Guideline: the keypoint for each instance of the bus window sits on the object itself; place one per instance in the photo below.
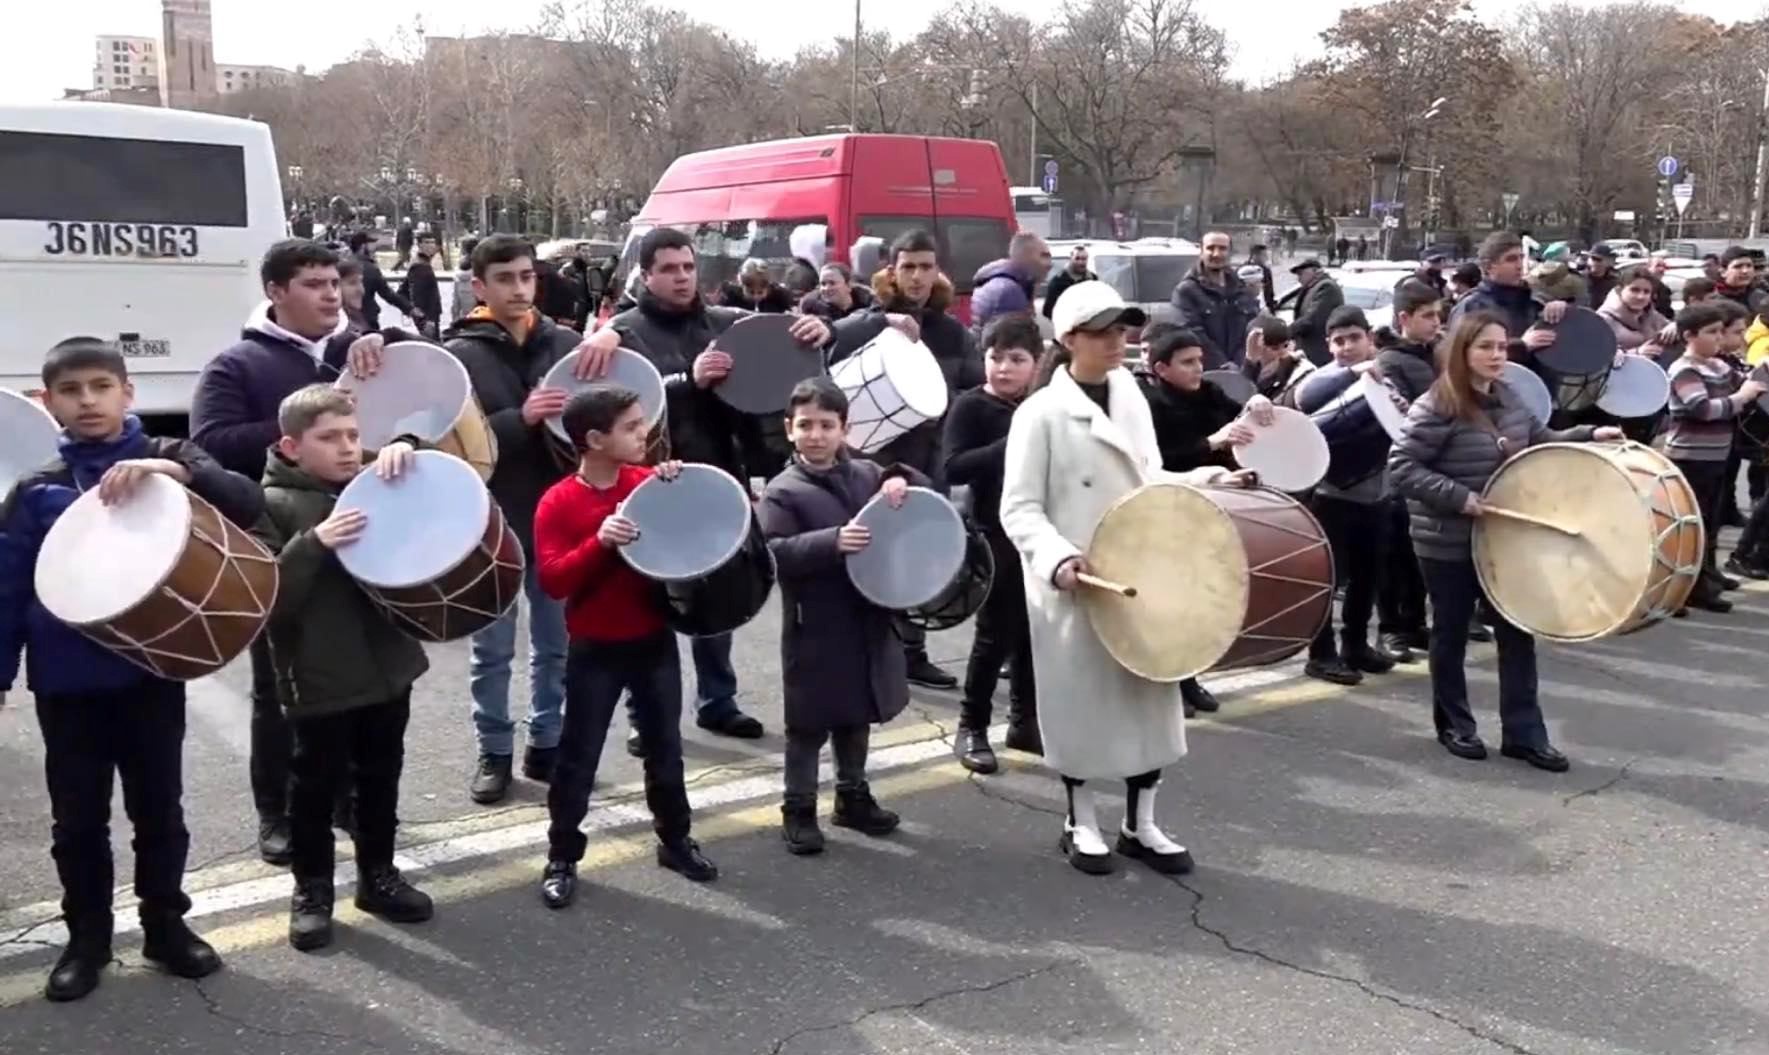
(50, 176)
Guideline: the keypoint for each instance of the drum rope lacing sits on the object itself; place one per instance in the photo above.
(889, 417)
(1659, 609)
(450, 602)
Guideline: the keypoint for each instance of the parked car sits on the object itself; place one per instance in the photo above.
(1371, 289)
(1144, 272)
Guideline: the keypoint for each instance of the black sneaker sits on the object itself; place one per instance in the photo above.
(559, 884)
(798, 826)
(1369, 660)
(1711, 603)
(922, 671)
(273, 841)
(1400, 647)
(384, 892)
(971, 746)
(1745, 568)
(684, 858)
(538, 762)
(167, 941)
(1197, 698)
(491, 781)
(1333, 670)
(310, 915)
(856, 808)
(733, 723)
(77, 972)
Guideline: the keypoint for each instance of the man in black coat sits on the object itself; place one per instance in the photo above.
(1600, 276)
(374, 285)
(1075, 272)
(1505, 292)
(1431, 274)
(420, 285)
(1321, 296)
(1213, 303)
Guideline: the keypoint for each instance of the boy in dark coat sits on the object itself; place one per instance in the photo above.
(100, 714)
(344, 671)
(843, 664)
(1410, 366)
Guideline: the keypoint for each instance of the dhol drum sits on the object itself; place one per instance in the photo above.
(421, 390)
(33, 438)
(1523, 382)
(627, 369)
(916, 552)
(1233, 383)
(1636, 555)
(969, 589)
(1290, 454)
(1576, 366)
(893, 384)
(1357, 444)
(436, 554)
(1638, 388)
(766, 362)
(1386, 404)
(161, 579)
(698, 538)
(1225, 577)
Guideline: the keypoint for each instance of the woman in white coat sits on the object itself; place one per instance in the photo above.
(1076, 446)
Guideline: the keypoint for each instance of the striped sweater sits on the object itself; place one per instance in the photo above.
(1699, 425)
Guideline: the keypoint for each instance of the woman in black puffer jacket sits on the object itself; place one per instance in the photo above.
(1456, 436)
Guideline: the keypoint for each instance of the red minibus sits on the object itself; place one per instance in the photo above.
(746, 201)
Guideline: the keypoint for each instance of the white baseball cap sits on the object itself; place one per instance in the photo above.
(1093, 306)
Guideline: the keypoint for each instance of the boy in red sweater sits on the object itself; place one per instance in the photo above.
(619, 641)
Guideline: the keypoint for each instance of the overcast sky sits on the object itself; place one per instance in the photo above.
(52, 45)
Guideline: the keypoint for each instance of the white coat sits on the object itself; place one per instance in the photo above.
(1067, 462)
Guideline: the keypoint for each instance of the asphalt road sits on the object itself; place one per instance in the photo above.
(1358, 890)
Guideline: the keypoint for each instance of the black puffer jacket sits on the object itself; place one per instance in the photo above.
(1410, 368)
(1440, 460)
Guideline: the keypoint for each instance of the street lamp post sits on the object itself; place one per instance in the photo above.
(1400, 180)
(854, 76)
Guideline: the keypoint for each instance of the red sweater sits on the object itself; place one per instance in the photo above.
(605, 599)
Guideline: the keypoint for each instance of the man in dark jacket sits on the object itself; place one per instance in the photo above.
(1004, 287)
(1077, 271)
(1410, 368)
(1215, 304)
(1504, 292)
(374, 284)
(1321, 296)
(1600, 276)
(912, 298)
(678, 332)
(420, 286)
(1431, 274)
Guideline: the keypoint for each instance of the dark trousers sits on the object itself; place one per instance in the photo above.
(1400, 599)
(1002, 634)
(1709, 482)
(1454, 590)
(137, 733)
(596, 673)
(360, 751)
(1753, 542)
(849, 744)
(271, 740)
(1357, 533)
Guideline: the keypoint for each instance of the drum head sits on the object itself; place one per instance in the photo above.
(1637, 389)
(1381, 400)
(1290, 454)
(689, 526)
(1233, 383)
(99, 561)
(765, 363)
(1184, 556)
(727, 598)
(32, 438)
(419, 525)
(1583, 344)
(419, 391)
(628, 369)
(1526, 386)
(915, 552)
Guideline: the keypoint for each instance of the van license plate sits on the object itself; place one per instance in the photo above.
(158, 349)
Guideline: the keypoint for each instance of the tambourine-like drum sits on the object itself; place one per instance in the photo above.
(1225, 577)
(969, 589)
(1637, 554)
(1233, 383)
(1290, 454)
(699, 539)
(893, 384)
(627, 369)
(765, 363)
(1637, 388)
(1336, 403)
(436, 554)
(1523, 383)
(1576, 366)
(32, 438)
(916, 552)
(421, 390)
(161, 579)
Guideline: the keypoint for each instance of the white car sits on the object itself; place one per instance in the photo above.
(1626, 249)
(1370, 289)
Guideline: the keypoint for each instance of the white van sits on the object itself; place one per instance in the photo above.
(135, 225)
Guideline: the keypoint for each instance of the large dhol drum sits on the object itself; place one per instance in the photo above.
(630, 370)
(1637, 554)
(1576, 366)
(436, 553)
(893, 384)
(916, 552)
(1290, 454)
(699, 540)
(161, 579)
(421, 390)
(1225, 577)
(33, 438)
(765, 364)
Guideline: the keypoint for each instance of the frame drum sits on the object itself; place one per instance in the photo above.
(1638, 388)
(1534, 393)
(1638, 555)
(916, 551)
(627, 369)
(698, 537)
(765, 364)
(33, 439)
(421, 390)
(893, 385)
(162, 579)
(1290, 454)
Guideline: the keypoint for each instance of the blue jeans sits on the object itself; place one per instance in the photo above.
(494, 649)
(715, 680)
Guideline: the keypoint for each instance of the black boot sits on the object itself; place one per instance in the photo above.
(537, 763)
(491, 781)
(1359, 656)
(168, 941)
(383, 892)
(1197, 698)
(683, 857)
(922, 671)
(1332, 669)
(310, 914)
(77, 972)
(856, 808)
(971, 746)
(273, 841)
(559, 884)
(1023, 734)
(1399, 646)
(798, 825)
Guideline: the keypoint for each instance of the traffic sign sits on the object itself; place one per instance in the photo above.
(1050, 183)
(1667, 166)
(1510, 200)
(1050, 168)
(1391, 222)
(1682, 194)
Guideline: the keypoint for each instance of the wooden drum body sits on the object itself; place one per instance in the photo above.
(1634, 562)
(424, 391)
(1225, 578)
(161, 579)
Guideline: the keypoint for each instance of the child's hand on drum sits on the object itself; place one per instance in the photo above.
(617, 531)
(1260, 410)
(393, 460)
(1069, 572)
(894, 490)
(342, 528)
(853, 537)
(121, 479)
(668, 470)
(544, 403)
(1236, 433)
